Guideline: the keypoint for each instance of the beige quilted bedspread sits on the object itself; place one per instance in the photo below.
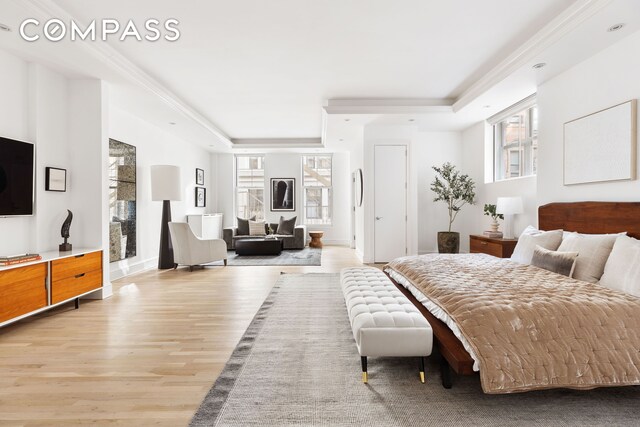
(529, 328)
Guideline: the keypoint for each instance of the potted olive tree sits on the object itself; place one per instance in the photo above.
(456, 190)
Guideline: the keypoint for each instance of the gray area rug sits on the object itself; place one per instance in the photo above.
(306, 256)
(297, 364)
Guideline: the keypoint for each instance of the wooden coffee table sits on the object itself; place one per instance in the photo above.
(316, 239)
(258, 247)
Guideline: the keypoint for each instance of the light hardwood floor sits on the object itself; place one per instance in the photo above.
(146, 356)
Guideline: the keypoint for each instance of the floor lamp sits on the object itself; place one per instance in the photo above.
(509, 206)
(165, 187)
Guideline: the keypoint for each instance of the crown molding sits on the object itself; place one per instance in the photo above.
(277, 143)
(388, 106)
(560, 26)
(112, 58)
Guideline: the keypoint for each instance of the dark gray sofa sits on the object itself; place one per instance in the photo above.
(297, 241)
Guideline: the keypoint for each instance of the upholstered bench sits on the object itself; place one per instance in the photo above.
(384, 322)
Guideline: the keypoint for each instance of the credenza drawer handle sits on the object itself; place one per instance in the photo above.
(484, 243)
(80, 256)
(80, 275)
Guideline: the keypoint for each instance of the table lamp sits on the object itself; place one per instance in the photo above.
(165, 186)
(509, 206)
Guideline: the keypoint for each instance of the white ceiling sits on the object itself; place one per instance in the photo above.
(251, 69)
(263, 69)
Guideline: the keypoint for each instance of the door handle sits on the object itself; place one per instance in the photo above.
(378, 218)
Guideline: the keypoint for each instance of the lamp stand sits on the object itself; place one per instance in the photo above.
(165, 258)
(508, 227)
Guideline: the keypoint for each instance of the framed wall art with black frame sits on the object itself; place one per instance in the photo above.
(55, 179)
(201, 197)
(199, 176)
(283, 194)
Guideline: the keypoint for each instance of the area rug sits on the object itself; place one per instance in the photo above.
(306, 256)
(297, 364)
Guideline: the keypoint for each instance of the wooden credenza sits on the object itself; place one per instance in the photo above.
(59, 277)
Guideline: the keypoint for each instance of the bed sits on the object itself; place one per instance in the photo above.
(515, 358)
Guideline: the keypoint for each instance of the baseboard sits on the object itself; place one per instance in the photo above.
(359, 255)
(118, 272)
(336, 242)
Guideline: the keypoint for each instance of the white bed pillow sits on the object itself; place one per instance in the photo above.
(593, 250)
(523, 252)
(531, 231)
(622, 271)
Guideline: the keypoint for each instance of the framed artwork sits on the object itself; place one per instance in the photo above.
(199, 176)
(283, 194)
(601, 146)
(201, 197)
(55, 179)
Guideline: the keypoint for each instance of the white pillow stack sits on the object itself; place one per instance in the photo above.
(532, 237)
(593, 252)
(622, 271)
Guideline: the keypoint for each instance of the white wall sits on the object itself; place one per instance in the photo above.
(88, 162)
(434, 149)
(48, 128)
(606, 79)
(36, 107)
(425, 217)
(64, 118)
(289, 165)
(156, 147)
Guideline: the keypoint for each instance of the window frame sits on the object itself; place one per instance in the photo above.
(305, 187)
(526, 147)
(236, 187)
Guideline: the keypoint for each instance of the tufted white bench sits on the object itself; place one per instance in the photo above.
(384, 321)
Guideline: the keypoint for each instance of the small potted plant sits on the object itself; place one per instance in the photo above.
(490, 210)
(456, 190)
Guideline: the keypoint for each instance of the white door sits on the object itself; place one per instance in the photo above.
(390, 185)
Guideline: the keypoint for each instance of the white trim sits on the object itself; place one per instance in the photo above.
(388, 106)
(523, 104)
(119, 271)
(336, 242)
(559, 27)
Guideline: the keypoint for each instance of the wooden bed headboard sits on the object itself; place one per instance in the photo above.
(591, 217)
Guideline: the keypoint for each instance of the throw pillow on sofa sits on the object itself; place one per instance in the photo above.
(286, 226)
(243, 226)
(256, 228)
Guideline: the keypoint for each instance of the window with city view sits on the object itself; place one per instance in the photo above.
(250, 187)
(317, 189)
(516, 144)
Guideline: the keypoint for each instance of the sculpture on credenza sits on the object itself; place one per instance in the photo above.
(64, 232)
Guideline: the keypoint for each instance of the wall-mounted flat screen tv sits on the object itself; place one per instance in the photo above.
(16, 177)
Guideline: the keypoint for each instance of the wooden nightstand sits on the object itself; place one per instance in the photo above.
(501, 248)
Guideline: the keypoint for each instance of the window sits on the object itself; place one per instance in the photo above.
(516, 141)
(250, 187)
(316, 172)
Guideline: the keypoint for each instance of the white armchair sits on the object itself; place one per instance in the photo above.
(189, 249)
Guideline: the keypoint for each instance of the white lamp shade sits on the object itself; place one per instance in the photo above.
(509, 205)
(165, 183)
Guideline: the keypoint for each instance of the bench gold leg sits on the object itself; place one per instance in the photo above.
(365, 375)
(422, 370)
